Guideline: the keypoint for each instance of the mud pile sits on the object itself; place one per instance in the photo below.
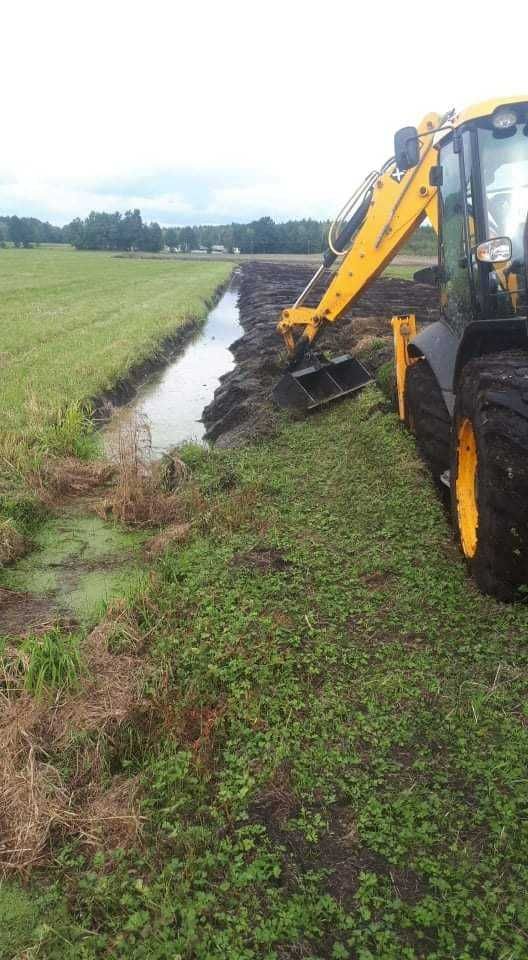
(242, 409)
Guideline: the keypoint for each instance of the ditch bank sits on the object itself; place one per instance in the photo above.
(169, 403)
(242, 409)
(169, 349)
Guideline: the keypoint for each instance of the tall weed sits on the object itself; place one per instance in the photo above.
(72, 434)
(51, 662)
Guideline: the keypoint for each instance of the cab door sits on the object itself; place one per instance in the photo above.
(456, 297)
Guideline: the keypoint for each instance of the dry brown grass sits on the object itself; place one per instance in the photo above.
(37, 803)
(367, 342)
(12, 544)
(140, 496)
(25, 614)
(111, 818)
(176, 533)
(33, 799)
(61, 477)
(14, 456)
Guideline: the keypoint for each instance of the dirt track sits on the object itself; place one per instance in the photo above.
(242, 409)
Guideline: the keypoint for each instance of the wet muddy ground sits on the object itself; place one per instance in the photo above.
(78, 562)
(241, 409)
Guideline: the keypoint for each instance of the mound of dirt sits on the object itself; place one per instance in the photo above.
(242, 409)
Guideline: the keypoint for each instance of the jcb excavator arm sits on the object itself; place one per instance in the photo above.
(394, 206)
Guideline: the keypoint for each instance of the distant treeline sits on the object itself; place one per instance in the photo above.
(26, 231)
(266, 236)
(115, 231)
(128, 232)
(259, 236)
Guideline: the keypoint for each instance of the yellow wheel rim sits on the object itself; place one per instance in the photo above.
(466, 488)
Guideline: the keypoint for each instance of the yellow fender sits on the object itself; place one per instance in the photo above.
(403, 328)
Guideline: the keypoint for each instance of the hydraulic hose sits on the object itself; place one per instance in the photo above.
(360, 200)
(346, 235)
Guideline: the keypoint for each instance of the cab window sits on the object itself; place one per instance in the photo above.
(455, 298)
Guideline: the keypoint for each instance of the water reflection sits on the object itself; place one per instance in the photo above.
(171, 401)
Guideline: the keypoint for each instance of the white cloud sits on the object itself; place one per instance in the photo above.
(298, 99)
(61, 204)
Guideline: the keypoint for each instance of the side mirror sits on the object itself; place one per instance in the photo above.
(406, 148)
(498, 250)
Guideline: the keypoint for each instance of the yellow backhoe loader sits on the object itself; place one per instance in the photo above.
(462, 382)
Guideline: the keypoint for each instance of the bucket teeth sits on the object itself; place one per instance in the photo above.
(314, 386)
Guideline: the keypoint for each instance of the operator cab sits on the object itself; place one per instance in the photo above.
(483, 211)
(482, 180)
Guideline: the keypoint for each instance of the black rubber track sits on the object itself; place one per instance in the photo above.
(490, 389)
(427, 417)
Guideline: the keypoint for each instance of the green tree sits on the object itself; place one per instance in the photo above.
(188, 238)
(21, 231)
(152, 239)
(265, 232)
(131, 231)
(172, 237)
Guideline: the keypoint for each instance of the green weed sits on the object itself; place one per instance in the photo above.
(24, 509)
(18, 920)
(71, 434)
(386, 378)
(51, 662)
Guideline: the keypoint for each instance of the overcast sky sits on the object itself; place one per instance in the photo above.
(208, 112)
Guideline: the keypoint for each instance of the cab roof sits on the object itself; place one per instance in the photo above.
(486, 108)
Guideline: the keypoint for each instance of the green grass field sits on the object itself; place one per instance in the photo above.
(334, 764)
(72, 323)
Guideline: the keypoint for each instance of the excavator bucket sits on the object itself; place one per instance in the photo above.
(314, 386)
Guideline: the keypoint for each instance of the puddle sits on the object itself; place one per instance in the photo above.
(171, 401)
(78, 562)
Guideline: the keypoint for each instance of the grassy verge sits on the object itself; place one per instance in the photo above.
(334, 760)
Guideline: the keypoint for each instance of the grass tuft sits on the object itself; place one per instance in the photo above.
(145, 495)
(71, 434)
(51, 663)
(12, 543)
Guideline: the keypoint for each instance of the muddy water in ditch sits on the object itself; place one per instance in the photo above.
(171, 402)
(78, 563)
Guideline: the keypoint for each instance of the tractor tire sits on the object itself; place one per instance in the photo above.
(427, 417)
(489, 472)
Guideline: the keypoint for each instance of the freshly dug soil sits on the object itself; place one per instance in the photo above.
(242, 409)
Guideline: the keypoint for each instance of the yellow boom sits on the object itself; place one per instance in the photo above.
(400, 202)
